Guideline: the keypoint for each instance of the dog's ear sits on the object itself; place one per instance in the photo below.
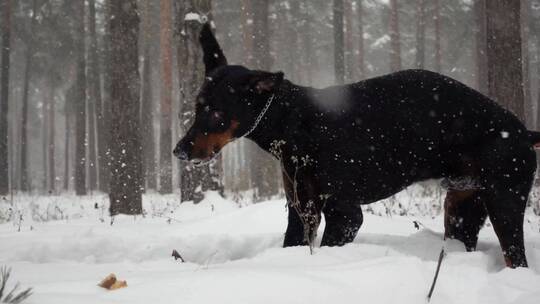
(213, 55)
(265, 82)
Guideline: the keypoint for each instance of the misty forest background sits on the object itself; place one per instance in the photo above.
(95, 93)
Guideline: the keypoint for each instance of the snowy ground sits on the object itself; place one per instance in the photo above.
(65, 247)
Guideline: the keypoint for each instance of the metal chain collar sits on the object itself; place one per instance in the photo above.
(260, 117)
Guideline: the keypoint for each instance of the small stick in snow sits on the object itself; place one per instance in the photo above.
(177, 256)
(441, 256)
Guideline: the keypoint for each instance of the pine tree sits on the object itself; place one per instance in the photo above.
(505, 75)
(80, 107)
(165, 140)
(94, 98)
(4, 102)
(360, 57)
(395, 37)
(194, 180)
(147, 105)
(24, 178)
(126, 152)
(437, 26)
(420, 34)
(480, 45)
(339, 52)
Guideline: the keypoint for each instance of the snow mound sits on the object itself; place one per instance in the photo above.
(234, 255)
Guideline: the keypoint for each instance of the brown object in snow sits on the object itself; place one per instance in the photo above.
(111, 283)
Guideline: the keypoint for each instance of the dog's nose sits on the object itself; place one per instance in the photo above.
(181, 154)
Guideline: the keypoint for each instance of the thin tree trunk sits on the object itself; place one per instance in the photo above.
(51, 108)
(126, 153)
(395, 39)
(264, 169)
(80, 107)
(247, 31)
(147, 106)
(350, 66)
(91, 136)
(295, 50)
(339, 60)
(165, 179)
(525, 33)
(4, 98)
(420, 34)
(67, 158)
(104, 116)
(360, 58)
(24, 181)
(45, 135)
(480, 41)
(505, 76)
(247, 151)
(95, 112)
(438, 51)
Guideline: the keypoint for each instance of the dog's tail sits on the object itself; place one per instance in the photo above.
(534, 139)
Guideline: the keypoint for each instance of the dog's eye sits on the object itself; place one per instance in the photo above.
(216, 120)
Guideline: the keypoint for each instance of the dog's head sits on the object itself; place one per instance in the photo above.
(227, 105)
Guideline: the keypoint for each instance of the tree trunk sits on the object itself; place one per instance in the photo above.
(480, 41)
(505, 76)
(80, 107)
(438, 51)
(339, 60)
(350, 66)
(360, 58)
(165, 164)
(67, 158)
(247, 31)
(45, 135)
(94, 99)
(265, 170)
(194, 180)
(189, 58)
(4, 98)
(525, 33)
(295, 49)
(245, 151)
(307, 41)
(51, 108)
(126, 153)
(147, 107)
(104, 116)
(420, 35)
(395, 39)
(24, 181)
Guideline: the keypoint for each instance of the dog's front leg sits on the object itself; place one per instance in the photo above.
(304, 213)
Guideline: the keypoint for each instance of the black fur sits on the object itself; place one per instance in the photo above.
(360, 143)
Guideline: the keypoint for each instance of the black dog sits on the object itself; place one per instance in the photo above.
(345, 146)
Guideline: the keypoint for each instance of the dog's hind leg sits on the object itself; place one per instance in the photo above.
(506, 212)
(464, 216)
(507, 174)
(343, 220)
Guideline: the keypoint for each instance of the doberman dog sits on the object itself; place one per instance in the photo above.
(345, 146)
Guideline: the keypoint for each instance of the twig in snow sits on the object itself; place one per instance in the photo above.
(441, 256)
(417, 225)
(177, 256)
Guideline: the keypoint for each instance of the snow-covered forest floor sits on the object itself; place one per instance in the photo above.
(66, 245)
